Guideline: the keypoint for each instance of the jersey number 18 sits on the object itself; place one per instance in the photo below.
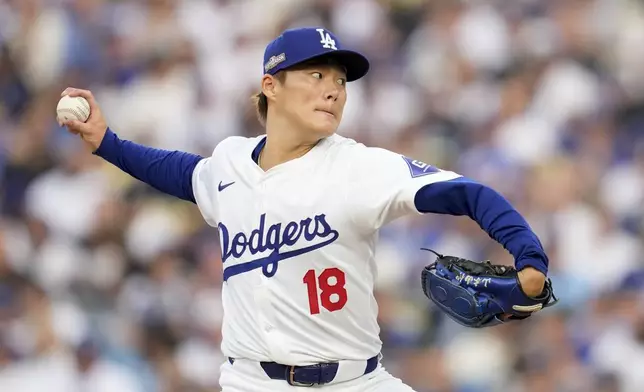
(332, 295)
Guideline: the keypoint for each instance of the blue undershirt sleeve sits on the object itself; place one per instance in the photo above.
(167, 171)
(493, 213)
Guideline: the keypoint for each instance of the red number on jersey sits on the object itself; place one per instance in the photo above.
(333, 296)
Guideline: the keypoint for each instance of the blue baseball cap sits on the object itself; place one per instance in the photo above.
(295, 46)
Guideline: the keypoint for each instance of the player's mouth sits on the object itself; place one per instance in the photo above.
(326, 112)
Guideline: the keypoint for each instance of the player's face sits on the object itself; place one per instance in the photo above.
(313, 97)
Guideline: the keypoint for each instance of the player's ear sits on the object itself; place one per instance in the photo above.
(269, 86)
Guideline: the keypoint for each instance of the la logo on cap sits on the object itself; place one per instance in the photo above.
(326, 40)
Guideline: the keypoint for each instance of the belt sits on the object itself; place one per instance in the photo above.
(310, 375)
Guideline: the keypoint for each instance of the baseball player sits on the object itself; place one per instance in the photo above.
(298, 211)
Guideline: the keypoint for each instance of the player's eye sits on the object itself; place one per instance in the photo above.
(342, 81)
(317, 75)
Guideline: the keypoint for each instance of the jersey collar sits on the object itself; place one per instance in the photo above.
(262, 143)
(255, 154)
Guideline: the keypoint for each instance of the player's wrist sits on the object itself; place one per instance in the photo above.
(532, 281)
(534, 262)
(106, 142)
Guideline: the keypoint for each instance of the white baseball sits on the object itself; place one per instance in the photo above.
(72, 108)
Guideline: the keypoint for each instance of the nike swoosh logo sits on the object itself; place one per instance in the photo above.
(224, 186)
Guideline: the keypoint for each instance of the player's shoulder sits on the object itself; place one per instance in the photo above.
(345, 147)
(232, 145)
(357, 159)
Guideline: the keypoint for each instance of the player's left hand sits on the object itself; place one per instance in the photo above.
(482, 294)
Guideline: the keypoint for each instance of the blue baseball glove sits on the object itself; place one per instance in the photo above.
(480, 294)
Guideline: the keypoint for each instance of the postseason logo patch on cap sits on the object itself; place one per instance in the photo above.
(273, 61)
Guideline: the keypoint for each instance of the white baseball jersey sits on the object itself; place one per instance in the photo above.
(298, 244)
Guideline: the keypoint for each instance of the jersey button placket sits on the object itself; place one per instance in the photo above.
(261, 200)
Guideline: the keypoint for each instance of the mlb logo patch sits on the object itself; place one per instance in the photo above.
(418, 168)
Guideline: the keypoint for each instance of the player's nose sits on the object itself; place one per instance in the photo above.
(332, 94)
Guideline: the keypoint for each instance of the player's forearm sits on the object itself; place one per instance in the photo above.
(168, 171)
(491, 211)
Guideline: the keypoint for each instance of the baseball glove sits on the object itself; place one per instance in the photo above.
(480, 294)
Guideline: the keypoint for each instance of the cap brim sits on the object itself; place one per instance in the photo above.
(355, 64)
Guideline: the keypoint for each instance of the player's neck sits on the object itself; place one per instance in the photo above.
(282, 147)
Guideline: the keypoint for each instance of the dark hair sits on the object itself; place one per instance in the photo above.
(261, 102)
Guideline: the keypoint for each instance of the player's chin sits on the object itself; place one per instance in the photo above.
(324, 130)
(325, 126)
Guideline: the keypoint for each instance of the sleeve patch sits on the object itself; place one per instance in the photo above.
(418, 168)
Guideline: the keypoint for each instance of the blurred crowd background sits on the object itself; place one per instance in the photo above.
(107, 285)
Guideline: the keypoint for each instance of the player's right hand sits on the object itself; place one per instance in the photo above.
(93, 130)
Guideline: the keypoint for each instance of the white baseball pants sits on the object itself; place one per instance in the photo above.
(248, 376)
